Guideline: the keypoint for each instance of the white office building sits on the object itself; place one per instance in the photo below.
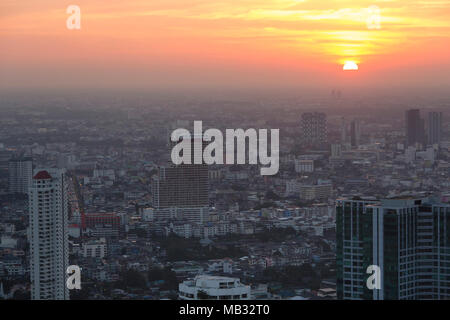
(49, 252)
(95, 249)
(213, 288)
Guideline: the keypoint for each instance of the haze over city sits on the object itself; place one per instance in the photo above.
(230, 150)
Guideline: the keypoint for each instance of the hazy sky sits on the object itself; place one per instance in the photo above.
(235, 43)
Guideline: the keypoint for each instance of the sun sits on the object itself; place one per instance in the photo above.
(350, 65)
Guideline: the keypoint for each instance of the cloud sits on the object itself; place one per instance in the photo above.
(284, 33)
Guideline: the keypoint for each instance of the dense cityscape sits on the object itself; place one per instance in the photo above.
(86, 180)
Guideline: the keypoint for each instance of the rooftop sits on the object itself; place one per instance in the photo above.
(41, 175)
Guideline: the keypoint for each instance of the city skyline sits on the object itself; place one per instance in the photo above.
(132, 215)
(231, 150)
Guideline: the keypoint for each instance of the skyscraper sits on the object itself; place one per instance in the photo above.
(20, 173)
(407, 237)
(355, 133)
(5, 156)
(182, 185)
(434, 127)
(415, 128)
(182, 190)
(343, 130)
(48, 235)
(336, 150)
(313, 127)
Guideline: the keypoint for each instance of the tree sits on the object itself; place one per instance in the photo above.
(167, 275)
(272, 195)
(82, 294)
(264, 205)
(134, 279)
(202, 295)
(21, 295)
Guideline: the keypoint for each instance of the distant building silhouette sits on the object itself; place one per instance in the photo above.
(313, 126)
(415, 128)
(434, 127)
(355, 133)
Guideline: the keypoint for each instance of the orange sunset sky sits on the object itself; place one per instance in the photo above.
(195, 43)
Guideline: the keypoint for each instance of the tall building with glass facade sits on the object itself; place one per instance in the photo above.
(415, 128)
(408, 238)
